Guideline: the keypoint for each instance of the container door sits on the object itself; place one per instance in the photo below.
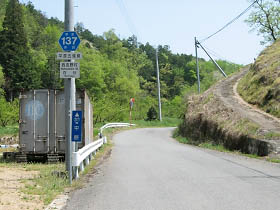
(52, 148)
(41, 116)
(34, 126)
(26, 124)
(60, 122)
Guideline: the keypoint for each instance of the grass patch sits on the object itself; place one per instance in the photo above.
(208, 99)
(246, 126)
(183, 140)
(9, 131)
(166, 122)
(272, 135)
(220, 148)
(180, 138)
(217, 147)
(47, 185)
(51, 179)
(261, 85)
(273, 160)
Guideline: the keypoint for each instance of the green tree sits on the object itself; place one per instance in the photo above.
(266, 20)
(152, 114)
(2, 81)
(8, 112)
(14, 53)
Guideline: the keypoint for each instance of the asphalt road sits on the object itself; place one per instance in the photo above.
(148, 170)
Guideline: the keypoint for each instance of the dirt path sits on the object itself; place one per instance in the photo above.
(11, 197)
(226, 90)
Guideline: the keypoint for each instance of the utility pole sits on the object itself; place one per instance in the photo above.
(197, 67)
(217, 65)
(158, 84)
(69, 91)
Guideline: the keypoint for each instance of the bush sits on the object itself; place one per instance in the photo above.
(152, 114)
(8, 112)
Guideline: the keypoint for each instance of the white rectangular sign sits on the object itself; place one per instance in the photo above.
(69, 70)
(68, 56)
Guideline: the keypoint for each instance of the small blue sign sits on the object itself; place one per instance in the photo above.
(77, 117)
(69, 41)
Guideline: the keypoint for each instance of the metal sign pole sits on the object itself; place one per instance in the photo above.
(158, 85)
(197, 66)
(69, 89)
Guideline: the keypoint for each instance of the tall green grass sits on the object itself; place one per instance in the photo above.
(166, 122)
(9, 130)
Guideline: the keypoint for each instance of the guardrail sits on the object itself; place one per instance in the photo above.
(83, 156)
(111, 125)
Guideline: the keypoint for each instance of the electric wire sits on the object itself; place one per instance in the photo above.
(215, 54)
(229, 23)
(127, 18)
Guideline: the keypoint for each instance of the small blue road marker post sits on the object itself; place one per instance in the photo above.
(77, 117)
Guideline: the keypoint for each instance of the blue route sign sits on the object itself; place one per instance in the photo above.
(69, 41)
(77, 117)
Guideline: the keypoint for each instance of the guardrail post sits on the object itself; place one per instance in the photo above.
(82, 167)
(90, 156)
(87, 161)
(104, 140)
(76, 172)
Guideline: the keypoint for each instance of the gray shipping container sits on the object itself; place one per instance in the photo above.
(42, 121)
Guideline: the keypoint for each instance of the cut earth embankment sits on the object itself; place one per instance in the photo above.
(220, 116)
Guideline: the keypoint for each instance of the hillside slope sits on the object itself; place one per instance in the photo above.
(220, 115)
(261, 86)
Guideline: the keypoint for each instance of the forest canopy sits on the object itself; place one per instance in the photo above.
(112, 69)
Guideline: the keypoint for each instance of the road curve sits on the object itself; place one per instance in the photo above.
(148, 170)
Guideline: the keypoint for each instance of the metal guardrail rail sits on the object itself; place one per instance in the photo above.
(113, 125)
(83, 156)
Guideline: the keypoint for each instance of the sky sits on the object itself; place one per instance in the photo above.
(169, 22)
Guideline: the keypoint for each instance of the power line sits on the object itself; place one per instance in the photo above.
(215, 54)
(233, 20)
(127, 18)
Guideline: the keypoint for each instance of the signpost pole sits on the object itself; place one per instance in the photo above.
(69, 89)
(158, 84)
(197, 67)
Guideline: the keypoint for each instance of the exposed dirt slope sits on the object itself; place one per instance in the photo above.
(221, 116)
(226, 91)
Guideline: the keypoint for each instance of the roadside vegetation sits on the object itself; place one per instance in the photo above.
(261, 86)
(209, 123)
(219, 147)
(47, 180)
(11, 130)
(113, 70)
